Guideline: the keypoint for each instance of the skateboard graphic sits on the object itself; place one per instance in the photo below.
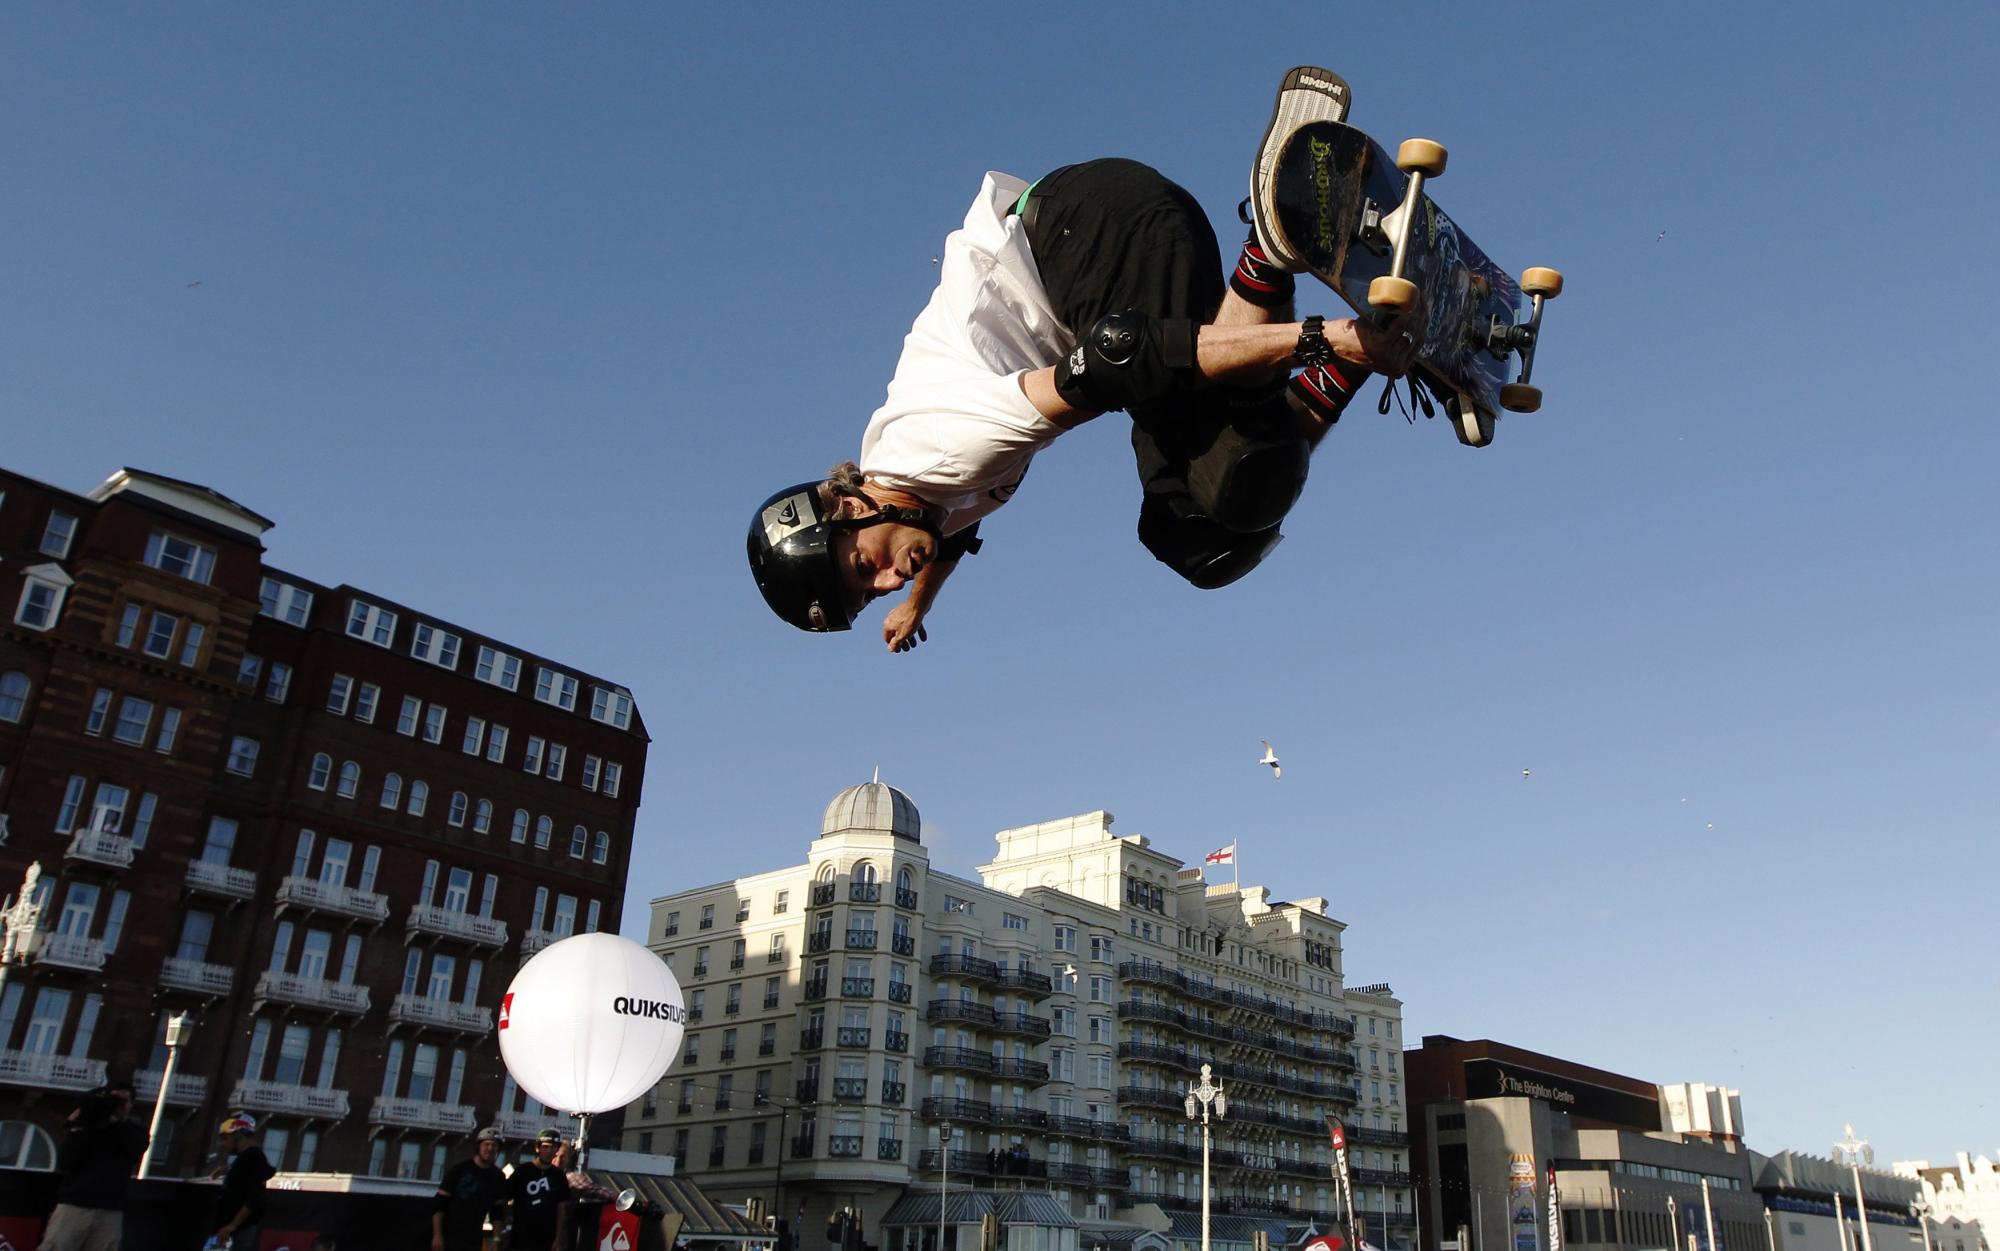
(1362, 223)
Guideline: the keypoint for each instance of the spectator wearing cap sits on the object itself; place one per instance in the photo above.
(239, 1209)
(538, 1198)
(101, 1148)
(472, 1191)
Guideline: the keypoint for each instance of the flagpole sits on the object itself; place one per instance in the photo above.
(1235, 866)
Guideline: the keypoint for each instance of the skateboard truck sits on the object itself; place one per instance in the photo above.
(1538, 284)
(1420, 159)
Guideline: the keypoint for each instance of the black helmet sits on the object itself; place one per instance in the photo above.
(791, 555)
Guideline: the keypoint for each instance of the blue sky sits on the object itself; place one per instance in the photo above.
(513, 312)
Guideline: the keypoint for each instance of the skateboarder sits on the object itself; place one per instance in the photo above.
(1098, 287)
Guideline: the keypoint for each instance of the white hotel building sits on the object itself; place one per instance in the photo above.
(844, 1012)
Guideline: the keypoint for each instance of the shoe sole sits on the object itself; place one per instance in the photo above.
(1307, 94)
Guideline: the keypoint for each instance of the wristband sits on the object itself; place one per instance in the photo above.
(1312, 348)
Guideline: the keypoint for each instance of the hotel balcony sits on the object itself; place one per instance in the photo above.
(190, 1090)
(94, 847)
(1024, 982)
(313, 895)
(969, 967)
(291, 1099)
(71, 951)
(423, 1114)
(1021, 1023)
(425, 1012)
(438, 922)
(958, 1058)
(312, 992)
(958, 1010)
(533, 941)
(197, 976)
(1021, 1070)
(221, 880)
(49, 1072)
(523, 1126)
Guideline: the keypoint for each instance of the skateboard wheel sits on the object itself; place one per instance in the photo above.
(1394, 294)
(1422, 155)
(1542, 282)
(1519, 397)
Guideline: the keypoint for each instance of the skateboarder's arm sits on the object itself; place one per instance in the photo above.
(903, 625)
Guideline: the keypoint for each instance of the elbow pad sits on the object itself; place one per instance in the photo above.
(1127, 358)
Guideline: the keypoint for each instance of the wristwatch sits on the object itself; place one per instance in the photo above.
(1312, 347)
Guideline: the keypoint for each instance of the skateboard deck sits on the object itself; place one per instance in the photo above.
(1338, 199)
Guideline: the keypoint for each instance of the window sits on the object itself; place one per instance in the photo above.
(544, 830)
(191, 643)
(128, 625)
(555, 687)
(496, 744)
(498, 668)
(100, 709)
(249, 669)
(482, 816)
(438, 647)
(591, 765)
(612, 707)
(135, 718)
(350, 780)
(1100, 948)
(170, 728)
(420, 798)
(392, 791)
(285, 602)
(600, 852)
(1066, 938)
(370, 624)
(531, 760)
(406, 721)
(160, 633)
(612, 772)
(475, 735)
(579, 842)
(455, 814)
(520, 831)
(243, 756)
(278, 683)
(434, 723)
(184, 558)
(365, 700)
(1100, 989)
(1009, 920)
(42, 596)
(56, 536)
(338, 693)
(321, 773)
(554, 767)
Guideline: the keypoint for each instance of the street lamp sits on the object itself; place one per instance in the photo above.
(1674, 1220)
(178, 1028)
(1200, 1100)
(1855, 1153)
(1920, 1208)
(944, 1175)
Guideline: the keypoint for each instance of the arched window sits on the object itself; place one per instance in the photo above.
(420, 798)
(600, 851)
(520, 833)
(906, 888)
(14, 706)
(579, 842)
(826, 873)
(392, 791)
(544, 830)
(350, 780)
(26, 1145)
(482, 816)
(459, 806)
(322, 772)
(864, 872)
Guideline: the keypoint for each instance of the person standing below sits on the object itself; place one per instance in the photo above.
(239, 1209)
(101, 1149)
(472, 1190)
(538, 1195)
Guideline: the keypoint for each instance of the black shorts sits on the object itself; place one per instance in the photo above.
(1112, 235)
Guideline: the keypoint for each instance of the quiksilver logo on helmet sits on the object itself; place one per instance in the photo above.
(787, 516)
(651, 1009)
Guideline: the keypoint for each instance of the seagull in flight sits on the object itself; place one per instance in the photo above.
(1271, 758)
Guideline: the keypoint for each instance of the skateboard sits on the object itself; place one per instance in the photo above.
(1362, 224)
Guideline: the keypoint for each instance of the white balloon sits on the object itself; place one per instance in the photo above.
(591, 1023)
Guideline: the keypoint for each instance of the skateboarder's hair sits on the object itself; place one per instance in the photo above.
(842, 479)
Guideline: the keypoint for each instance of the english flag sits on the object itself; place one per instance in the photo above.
(1223, 855)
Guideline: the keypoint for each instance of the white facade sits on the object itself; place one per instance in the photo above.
(843, 1010)
(1961, 1201)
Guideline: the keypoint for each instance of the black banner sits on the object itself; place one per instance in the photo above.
(1497, 1079)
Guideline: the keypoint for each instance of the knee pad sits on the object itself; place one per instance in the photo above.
(1198, 549)
(1125, 359)
(1252, 474)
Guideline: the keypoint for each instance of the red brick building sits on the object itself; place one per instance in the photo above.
(326, 825)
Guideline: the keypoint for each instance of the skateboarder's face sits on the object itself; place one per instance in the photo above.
(880, 559)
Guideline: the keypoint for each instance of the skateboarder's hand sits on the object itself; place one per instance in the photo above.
(1387, 350)
(903, 627)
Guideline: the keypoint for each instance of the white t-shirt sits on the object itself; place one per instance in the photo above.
(956, 430)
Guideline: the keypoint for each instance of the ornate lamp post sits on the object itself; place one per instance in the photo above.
(1854, 1152)
(1920, 1208)
(178, 1028)
(1200, 1100)
(944, 1175)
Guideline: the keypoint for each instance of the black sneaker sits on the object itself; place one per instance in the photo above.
(1307, 94)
